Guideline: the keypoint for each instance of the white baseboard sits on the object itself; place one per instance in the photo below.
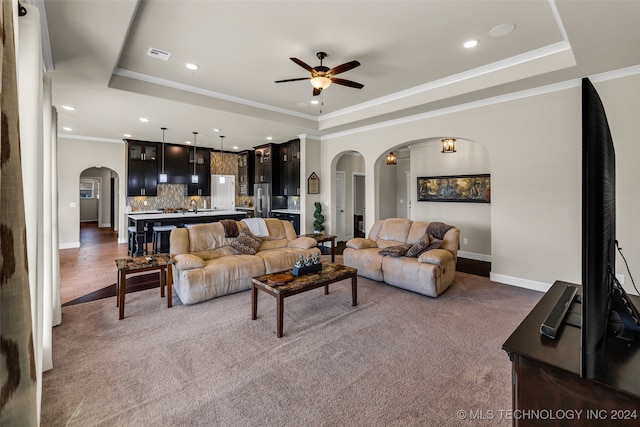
(474, 256)
(69, 245)
(122, 241)
(521, 283)
(106, 224)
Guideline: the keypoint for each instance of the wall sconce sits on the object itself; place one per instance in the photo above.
(448, 145)
(391, 158)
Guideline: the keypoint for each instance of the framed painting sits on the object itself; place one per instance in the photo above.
(460, 188)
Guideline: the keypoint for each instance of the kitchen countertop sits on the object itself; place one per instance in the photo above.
(151, 215)
(244, 208)
(287, 211)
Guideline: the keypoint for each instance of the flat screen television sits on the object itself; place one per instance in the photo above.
(606, 309)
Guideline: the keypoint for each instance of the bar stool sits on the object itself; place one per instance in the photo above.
(133, 241)
(156, 238)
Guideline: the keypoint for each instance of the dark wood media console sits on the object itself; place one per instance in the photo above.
(547, 388)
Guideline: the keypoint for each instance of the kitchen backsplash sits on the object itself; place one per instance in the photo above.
(169, 196)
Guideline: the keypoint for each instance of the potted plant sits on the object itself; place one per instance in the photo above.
(318, 226)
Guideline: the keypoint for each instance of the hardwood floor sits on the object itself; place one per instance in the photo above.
(90, 267)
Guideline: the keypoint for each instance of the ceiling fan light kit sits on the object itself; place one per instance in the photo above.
(322, 77)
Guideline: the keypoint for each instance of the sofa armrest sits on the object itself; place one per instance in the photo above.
(437, 257)
(361, 243)
(187, 261)
(303, 243)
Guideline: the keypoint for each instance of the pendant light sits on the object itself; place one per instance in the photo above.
(194, 177)
(163, 176)
(221, 179)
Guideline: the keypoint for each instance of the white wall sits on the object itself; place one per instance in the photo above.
(74, 156)
(473, 219)
(534, 148)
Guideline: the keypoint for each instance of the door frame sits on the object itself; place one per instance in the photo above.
(353, 201)
(341, 237)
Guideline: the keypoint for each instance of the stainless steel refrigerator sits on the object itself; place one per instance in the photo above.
(262, 201)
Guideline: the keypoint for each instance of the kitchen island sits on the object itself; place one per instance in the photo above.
(147, 219)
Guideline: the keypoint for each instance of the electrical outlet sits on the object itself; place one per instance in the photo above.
(465, 241)
(145, 203)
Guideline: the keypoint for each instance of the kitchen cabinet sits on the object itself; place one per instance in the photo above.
(176, 164)
(202, 170)
(142, 168)
(289, 157)
(266, 162)
(246, 170)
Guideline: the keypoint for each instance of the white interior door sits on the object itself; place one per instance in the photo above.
(340, 215)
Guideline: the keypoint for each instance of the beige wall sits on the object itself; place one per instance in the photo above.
(534, 151)
(74, 156)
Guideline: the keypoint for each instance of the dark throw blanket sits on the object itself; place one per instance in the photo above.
(230, 227)
(438, 229)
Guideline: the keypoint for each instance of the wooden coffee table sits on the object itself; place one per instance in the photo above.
(330, 273)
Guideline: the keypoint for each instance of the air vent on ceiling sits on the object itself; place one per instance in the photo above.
(157, 53)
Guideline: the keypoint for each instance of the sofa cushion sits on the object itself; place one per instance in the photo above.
(395, 250)
(395, 229)
(303, 243)
(246, 242)
(361, 243)
(425, 243)
(206, 237)
(188, 261)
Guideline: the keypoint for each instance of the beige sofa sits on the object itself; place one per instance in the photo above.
(430, 273)
(206, 265)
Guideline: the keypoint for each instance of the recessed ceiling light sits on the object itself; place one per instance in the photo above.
(502, 30)
(216, 130)
(315, 102)
(269, 138)
(127, 135)
(470, 43)
(68, 107)
(191, 66)
(188, 142)
(144, 119)
(67, 128)
(235, 147)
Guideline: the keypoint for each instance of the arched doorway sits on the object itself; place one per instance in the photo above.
(350, 201)
(98, 203)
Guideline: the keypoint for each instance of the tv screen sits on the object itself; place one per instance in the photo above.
(598, 229)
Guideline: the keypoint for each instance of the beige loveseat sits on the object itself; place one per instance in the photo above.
(430, 273)
(206, 265)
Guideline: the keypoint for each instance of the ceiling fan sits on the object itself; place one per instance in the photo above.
(321, 76)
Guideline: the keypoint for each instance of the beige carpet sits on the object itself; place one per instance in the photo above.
(397, 359)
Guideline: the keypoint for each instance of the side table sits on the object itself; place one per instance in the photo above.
(321, 238)
(160, 262)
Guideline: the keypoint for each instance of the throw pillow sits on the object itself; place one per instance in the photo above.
(188, 261)
(425, 243)
(246, 242)
(396, 250)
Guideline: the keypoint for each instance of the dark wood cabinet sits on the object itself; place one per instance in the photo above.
(546, 373)
(202, 170)
(176, 164)
(265, 164)
(289, 157)
(142, 168)
(246, 170)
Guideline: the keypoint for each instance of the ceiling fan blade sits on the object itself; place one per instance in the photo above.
(349, 83)
(344, 67)
(316, 91)
(302, 64)
(293, 80)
